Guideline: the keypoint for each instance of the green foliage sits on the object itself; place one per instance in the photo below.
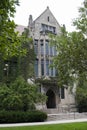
(9, 100)
(21, 65)
(71, 61)
(4, 92)
(10, 44)
(20, 116)
(16, 50)
(27, 92)
(26, 63)
(81, 96)
(19, 96)
(71, 58)
(81, 21)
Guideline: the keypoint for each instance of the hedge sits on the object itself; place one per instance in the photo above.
(20, 116)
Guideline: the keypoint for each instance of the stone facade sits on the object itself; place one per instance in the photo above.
(39, 29)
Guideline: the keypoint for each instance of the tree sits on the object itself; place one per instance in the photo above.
(71, 60)
(19, 65)
(10, 44)
(81, 21)
(26, 63)
(81, 96)
(19, 96)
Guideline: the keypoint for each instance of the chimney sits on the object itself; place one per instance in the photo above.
(30, 21)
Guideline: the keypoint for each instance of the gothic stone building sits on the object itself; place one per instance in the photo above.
(39, 28)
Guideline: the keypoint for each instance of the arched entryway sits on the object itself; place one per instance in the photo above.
(51, 100)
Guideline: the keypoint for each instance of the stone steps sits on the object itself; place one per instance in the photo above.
(59, 110)
(66, 116)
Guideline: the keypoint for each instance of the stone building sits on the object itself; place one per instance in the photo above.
(58, 98)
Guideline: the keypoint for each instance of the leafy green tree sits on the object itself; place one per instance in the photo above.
(81, 96)
(26, 63)
(21, 65)
(19, 96)
(81, 21)
(71, 61)
(27, 91)
(10, 41)
(9, 100)
(10, 44)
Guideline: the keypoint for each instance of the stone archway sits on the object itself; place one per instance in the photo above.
(51, 99)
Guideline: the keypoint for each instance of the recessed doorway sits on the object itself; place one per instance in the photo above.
(51, 100)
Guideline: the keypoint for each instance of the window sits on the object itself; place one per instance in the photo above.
(42, 67)
(62, 93)
(47, 67)
(48, 19)
(36, 67)
(47, 28)
(54, 30)
(36, 46)
(55, 51)
(51, 52)
(42, 47)
(51, 71)
(43, 27)
(51, 68)
(47, 48)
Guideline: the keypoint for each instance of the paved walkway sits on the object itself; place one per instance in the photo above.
(43, 123)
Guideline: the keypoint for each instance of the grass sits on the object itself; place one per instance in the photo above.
(67, 126)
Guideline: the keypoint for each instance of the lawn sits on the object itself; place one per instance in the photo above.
(68, 126)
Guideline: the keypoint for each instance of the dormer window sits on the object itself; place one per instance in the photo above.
(48, 19)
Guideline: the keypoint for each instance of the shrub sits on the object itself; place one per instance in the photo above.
(20, 116)
(19, 96)
(81, 99)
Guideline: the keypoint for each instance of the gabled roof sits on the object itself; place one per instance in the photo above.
(47, 9)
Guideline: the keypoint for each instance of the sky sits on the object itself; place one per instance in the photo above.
(65, 11)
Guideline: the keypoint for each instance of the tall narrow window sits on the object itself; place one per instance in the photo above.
(48, 18)
(43, 27)
(36, 46)
(47, 48)
(51, 68)
(47, 67)
(42, 67)
(51, 52)
(54, 30)
(42, 47)
(36, 67)
(62, 93)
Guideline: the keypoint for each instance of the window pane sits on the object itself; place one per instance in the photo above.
(47, 67)
(43, 27)
(42, 47)
(51, 69)
(42, 67)
(51, 53)
(36, 46)
(36, 67)
(47, 48)
(62, 93)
